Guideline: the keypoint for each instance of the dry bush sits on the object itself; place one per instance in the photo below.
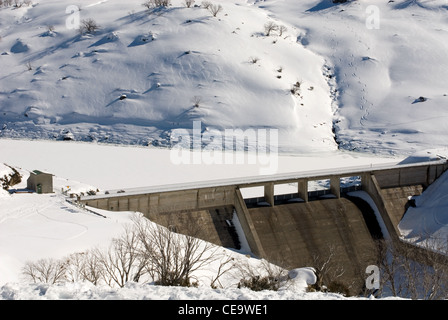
(189, 3)
(215, 9)
(152, 4)
(265, 276)
(88, 26)
(328, 271)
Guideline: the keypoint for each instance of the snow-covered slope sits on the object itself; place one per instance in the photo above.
(385, 55)
(160, 62)
(362, 65)
(426, 224)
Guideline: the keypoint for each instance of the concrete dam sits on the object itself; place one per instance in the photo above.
(292, 230)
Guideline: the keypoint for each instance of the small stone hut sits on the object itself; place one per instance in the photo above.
(40, 182)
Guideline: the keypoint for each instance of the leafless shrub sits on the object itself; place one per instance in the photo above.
(84, 266)
(295, 89)
(254, 60)
(206, 4)
(92, 268)
(88, 26)
(189, 3)
(267, 276)
(152, 4)
(215, 9)
(327, 271)
(270, 27)
(6, 3)
(196, 101)
(226, 264)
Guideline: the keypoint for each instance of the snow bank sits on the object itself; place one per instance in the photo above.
(136, 291)
(426, 224)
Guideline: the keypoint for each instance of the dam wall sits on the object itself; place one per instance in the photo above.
(291, 234)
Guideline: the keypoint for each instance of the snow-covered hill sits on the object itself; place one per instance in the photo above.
(372, 78)
(362, 67)
(390, 65)
(174, 66)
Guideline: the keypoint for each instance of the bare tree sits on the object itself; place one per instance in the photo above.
(74, 267)
(269, 27)
(388, 266)
(281, 30)
(144, 250)
(92, 269)
(122, 261)
(173, 258)
(413, 272)
(49, 271)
